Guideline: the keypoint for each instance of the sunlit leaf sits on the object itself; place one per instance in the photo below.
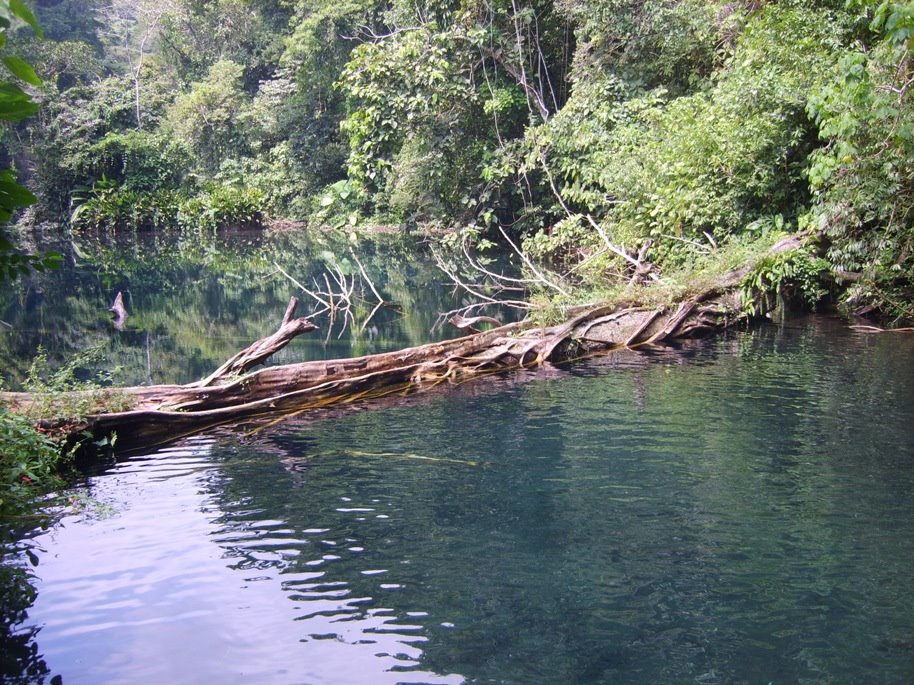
(19, 8)
(22, 69)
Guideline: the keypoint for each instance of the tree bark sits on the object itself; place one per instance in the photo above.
(231, 394)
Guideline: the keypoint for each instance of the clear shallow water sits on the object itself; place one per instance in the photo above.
(737, 511)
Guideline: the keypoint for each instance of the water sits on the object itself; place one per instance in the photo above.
(740, 510)
(194, 301)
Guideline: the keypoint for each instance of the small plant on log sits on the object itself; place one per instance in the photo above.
(28, 463)
(780, 279)
(72, 392)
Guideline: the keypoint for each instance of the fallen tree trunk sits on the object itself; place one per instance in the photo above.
(164, 413)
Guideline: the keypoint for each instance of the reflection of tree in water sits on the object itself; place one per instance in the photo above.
(194, 300)
(20, 661)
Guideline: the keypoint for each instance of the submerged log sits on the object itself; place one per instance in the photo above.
(232, 393)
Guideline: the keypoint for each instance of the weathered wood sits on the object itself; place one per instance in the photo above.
(263, 349)
(119, 310)
(468, 324)
(232, 393)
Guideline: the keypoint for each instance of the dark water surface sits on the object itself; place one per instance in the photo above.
(740, 510)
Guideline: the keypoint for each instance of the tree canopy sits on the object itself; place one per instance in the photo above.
(676, 126)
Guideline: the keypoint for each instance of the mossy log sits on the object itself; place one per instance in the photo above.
(163, 413)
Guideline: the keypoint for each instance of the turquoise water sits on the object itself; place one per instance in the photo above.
(739, 510)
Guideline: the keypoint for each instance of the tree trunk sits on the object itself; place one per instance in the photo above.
(164, 413)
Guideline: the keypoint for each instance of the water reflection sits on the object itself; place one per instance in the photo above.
(736, 511)
(194, 301)
(172, 589)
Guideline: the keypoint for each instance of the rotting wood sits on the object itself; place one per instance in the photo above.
(232, 394)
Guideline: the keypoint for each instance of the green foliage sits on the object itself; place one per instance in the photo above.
(28, 463)
(776, 281)
(695, 125)
(430, 99)
(63, 63)
(15, 105)
(564, 244)
(135, 179)
(223, 206)
(30, 460)
(138, 161)
(401, 89)
(197, 34)
(714, 163)
(70, 20)
(338, 205)
(64, 133)
(693, 171)
(674, 43)
(863, 179)
(74, 390)
(208, 119)
(288, 182)
(111, 207)
(108, 206)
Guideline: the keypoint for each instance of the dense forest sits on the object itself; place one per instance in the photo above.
(588, 131)
(626, 155)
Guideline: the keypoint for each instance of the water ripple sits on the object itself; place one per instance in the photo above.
(735, 511)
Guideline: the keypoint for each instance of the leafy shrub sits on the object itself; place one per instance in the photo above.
(692, 172)
(413, 123)
(107, 206)
(223, 206)
(138, 161)
(28, 462)
(863, 179)
(776, 281)
(74, 390)
(338, 205)
(208, 118)
(282, 176)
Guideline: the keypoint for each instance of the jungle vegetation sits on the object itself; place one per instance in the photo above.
(586, 131)
(597, 136)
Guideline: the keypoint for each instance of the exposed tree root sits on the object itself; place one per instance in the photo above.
(231, 394)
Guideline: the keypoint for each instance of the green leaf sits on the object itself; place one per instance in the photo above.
(22, 69)
(18, 111)
(10, 91)
(14, 195)
(19, 8)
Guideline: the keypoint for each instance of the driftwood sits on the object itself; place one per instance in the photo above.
(232, 393)
(263, 349)
(119, 310)
(468, 323)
